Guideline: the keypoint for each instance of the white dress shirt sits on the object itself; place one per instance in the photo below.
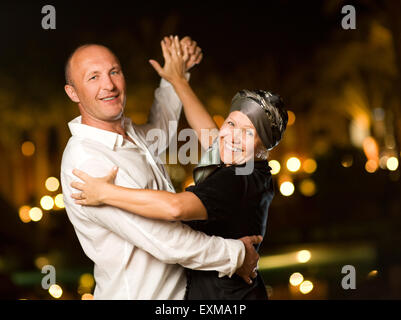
(135, 257)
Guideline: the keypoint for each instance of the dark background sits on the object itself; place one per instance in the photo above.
(329, 78)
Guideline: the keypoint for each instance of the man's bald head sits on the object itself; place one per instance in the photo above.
(76, 52)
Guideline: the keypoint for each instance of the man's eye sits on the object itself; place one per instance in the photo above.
(230, 123)
(92, 78)
(115, 72)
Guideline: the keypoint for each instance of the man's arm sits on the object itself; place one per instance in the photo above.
(170, 242)
(166, 108)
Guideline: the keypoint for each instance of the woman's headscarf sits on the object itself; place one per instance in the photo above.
(266, 112)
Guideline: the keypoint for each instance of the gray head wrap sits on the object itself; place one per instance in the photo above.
(266, 112)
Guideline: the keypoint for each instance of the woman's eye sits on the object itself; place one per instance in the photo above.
(249, 133)
(230, 123)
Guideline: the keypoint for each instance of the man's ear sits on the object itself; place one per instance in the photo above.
(70, 90)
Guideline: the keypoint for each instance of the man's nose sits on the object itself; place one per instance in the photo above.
(108, 84)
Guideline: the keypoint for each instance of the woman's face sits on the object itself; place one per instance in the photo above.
(238, 139)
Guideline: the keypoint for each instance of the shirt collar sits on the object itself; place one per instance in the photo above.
(108, 138)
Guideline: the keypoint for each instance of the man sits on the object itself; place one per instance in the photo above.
(134, 257)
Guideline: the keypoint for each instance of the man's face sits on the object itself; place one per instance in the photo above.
(98, 84)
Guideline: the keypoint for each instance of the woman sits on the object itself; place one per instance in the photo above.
(224, 201)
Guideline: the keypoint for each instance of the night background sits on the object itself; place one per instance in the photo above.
(337, 199)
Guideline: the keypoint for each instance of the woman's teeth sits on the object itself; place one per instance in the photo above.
(231, 148)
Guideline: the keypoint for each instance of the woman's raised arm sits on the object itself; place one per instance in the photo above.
(174, 71)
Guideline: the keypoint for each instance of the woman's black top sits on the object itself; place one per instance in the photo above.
(237, 206)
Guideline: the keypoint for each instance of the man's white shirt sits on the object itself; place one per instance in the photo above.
(135, 257)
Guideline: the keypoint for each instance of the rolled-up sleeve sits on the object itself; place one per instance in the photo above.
(169, 242)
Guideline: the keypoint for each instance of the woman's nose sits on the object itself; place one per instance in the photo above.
(237, 135)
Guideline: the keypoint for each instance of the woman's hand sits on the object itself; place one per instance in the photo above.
(175, 60)
(93, 189)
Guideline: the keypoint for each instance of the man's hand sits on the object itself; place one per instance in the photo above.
(248, 269)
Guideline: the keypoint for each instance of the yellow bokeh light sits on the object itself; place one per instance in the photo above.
(47, 202)
(40, 262)
(59, 201)
(275, 165)
(24, 214)
(307, 187)
(392, 163)
(306, 287)
(28, 148)
(52, 184)
(86, 280)
(371, 166)
(291, 118)
(303, 256)
(287, 188)
(347, 161)
(55, 291)
(296, 279)
(293, 164)
(309, 165)
(87, 296)
(35, 214)
(373, 274)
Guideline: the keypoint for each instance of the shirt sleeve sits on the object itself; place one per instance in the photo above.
(170, 242)
(164, 114)
(221, 193)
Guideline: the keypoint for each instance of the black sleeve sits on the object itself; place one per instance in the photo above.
(221, 193)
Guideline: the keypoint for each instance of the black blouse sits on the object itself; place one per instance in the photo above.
(237, 206)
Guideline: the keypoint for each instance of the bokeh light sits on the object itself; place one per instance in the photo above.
(287, 188)
(52, 184)
(309, 165)
(24, 214)
(304, 256)
(35, 214)
(306, 287)
(307, 187)
(55, 291)
(47, 202)
(293, 164)
(87, 296)
(28, 148)
(371, 166)
(296, 279)
(59, 201)
(41, 261)
(87, 280)
(392, 163)
(291, 118)
(275, 165)
(347, 161)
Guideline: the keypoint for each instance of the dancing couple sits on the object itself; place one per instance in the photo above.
(146, 240)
